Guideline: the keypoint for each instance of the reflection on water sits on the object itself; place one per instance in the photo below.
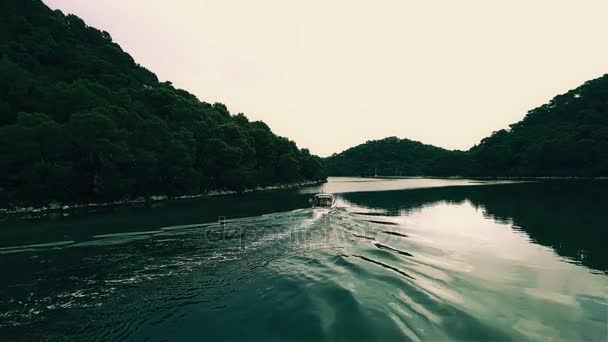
(485, 262)
(566, 216)
(349, 184)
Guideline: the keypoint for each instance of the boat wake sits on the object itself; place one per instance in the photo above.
(354, 273)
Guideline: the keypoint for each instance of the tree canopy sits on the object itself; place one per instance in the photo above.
(80, 120)
(389, 156)
(566, 137)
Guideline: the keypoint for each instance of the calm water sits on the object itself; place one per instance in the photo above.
(413, 259)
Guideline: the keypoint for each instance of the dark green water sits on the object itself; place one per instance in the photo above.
(398, 260)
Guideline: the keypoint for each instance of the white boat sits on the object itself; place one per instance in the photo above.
(324, 202)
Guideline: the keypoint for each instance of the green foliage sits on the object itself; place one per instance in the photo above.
(386, 157)
(566, 137)
(81, 121)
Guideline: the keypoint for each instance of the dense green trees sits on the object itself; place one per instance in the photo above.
(81, 121)
(389, 156)
(566, 137)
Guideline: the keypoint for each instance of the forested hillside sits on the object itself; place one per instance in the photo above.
(566, 137)
(389, 156)
(80, 120)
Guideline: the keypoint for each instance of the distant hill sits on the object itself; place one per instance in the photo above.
(566, 137)
(389, 156)
(80, 120)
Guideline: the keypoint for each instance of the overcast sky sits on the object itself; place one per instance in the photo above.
(333, 74)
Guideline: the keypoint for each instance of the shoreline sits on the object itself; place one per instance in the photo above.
(61, 207)
(485, 177)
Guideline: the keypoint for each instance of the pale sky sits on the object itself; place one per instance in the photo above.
(333, 74)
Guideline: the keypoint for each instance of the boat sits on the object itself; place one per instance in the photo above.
(323, 201)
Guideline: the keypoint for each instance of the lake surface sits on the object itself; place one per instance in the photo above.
(407, 259)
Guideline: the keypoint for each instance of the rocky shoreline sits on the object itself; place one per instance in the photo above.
(58, 207)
